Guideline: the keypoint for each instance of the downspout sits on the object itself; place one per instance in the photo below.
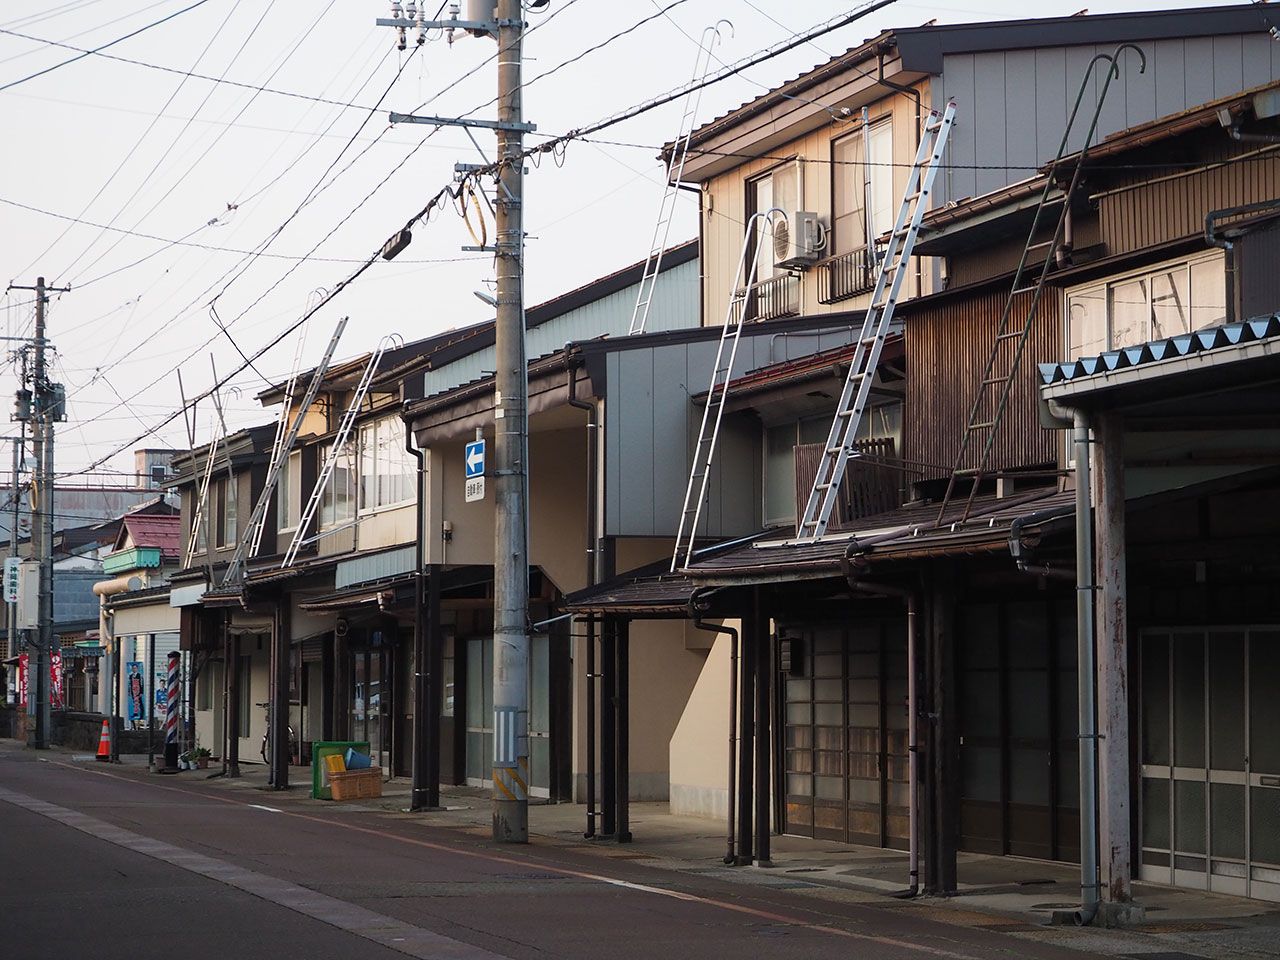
(702, 277)
(1232, 267)
(914, 95)
(421, 724)
(1086, 592)
(110, 683)
(1021, 551)
(700, 624)
(592, 580)
(908, 596)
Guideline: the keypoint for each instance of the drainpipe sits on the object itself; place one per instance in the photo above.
(908, 596)
(422, 795)
(104, 589)
(1213, 239)
(700, 624)
(592, 579)
(1086, 593)
(1022, 551)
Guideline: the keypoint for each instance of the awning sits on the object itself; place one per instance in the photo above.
(157, 617)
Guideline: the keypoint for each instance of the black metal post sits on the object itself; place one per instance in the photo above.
(435, 685)
(608, 733)
(592, 685)
(746, 738)
(150, 687)
(278, 735)
(763, 771)
(622, 680)
(233, 701)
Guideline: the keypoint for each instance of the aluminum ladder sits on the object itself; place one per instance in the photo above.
(841, 438)
(206, 480)
(675, 170)
(704, 452)
(335, 451)
(252, 538)
(992, 396)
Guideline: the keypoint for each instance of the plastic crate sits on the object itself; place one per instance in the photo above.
(356, 784)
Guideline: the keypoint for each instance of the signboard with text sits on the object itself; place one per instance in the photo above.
(473, 462)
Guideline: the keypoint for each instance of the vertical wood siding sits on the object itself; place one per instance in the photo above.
(947, 348)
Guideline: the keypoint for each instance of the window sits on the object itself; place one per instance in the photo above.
(228, 510)
(1159, 302)
(338, 504)
(857, 179)
(780, 494)
(201, 524)
(776, 290)
(289, 492)
(387, 470)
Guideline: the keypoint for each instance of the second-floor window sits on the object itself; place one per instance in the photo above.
(862, 182)
(289, 492)
(387, 470)
(1152, 304)
(775, 291)
(227, 511)
(339, 501)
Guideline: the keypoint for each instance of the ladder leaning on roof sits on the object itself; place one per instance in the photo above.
(675, 170)
(335, 451)
(252, 536)
(704, 451)
(992, 396)
(843, 435)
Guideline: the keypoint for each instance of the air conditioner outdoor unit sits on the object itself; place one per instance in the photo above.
(799, 240)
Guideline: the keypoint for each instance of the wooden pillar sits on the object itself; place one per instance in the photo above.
(1115, 856)
(622, 727)
(231, 700)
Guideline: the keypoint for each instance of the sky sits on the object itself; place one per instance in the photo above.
(147, 191)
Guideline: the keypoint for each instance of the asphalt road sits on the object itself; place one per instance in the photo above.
(108, 864)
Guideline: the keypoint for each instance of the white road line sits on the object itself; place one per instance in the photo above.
(375, 927)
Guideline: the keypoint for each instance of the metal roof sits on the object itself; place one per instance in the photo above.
(1154, 352)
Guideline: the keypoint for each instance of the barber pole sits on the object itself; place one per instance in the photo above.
(171, 714)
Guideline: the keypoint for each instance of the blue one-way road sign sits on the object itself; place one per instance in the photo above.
(474, 459)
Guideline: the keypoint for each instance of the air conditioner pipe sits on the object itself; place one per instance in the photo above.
(909, 597)
(593, 429)
(730, 856)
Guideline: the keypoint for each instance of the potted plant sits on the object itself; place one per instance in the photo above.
(199, 756)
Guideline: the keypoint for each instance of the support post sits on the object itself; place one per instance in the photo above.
(608, 735)
(746, 738)
(764, 770)
(341, 692)
(1113, 662)
(233, 700)
(622, 727)
(592, 683)
(510, 556)
(150, 688)
(428, 668)
(278, 735)
(42, 532)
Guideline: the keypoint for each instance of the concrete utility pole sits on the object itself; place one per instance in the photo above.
(510, 549)
(46, 409)
(511, 445)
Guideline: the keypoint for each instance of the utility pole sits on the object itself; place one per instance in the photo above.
(48, 407)
(510, 549)
(510, 468)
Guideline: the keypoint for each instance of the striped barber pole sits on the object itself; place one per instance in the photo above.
(171, 702)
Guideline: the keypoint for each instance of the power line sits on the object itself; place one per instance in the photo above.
(98, 50)
(30, 21)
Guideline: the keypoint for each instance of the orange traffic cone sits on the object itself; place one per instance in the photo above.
(104, 744)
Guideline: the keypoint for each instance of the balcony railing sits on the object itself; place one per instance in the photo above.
(773, 298)
(845, 276)
(872, 481)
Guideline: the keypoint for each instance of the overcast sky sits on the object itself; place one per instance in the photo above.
(154, 152)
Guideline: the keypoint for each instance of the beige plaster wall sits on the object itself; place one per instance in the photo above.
(725, 204)
(699, 744)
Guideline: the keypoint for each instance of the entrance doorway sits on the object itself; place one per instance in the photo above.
(846, 733)
(371, 701)
(1211, 759)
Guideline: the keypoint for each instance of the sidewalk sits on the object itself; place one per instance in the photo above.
(1005, 894)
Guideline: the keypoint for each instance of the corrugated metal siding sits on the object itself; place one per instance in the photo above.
(651, 426)
(1259, 277)
(380, 566)
(674, 307)
(1013, 105)
(947, 348)
(1149, 213)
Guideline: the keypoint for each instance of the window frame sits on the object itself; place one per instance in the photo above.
(289, 493)
(228, 511)
(374, 428)
(1147, 275)
(883, 123)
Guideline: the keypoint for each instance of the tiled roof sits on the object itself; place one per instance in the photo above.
(1201, 341)
(151, 530)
